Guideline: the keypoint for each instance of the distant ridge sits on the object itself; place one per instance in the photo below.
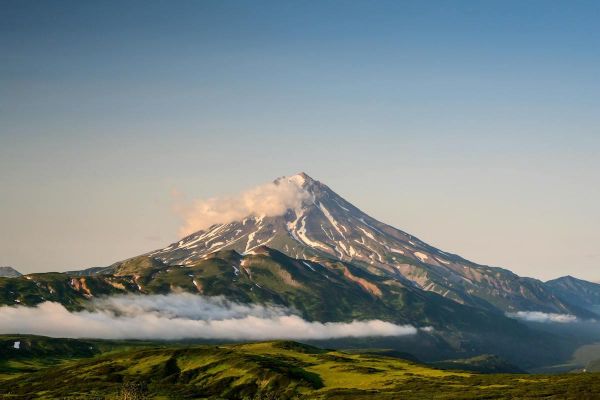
(9, 272)
(577, 291)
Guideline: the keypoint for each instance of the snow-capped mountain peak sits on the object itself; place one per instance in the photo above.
(301, 179)
(326, 226)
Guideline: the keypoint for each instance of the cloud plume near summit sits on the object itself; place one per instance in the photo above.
(270, 199)
(179, 316)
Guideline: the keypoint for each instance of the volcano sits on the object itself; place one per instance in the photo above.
(325, 226)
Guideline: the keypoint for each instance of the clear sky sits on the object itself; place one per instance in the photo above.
(472, 125)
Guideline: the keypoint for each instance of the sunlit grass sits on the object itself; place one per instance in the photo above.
(281, 370)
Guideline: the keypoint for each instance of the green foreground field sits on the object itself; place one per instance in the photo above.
(44, 368)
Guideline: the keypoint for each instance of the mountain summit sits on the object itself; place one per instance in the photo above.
(326, 226)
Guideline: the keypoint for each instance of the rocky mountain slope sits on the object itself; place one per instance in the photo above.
(323, 290)
(577, 291)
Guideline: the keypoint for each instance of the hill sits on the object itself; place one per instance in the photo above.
(278, 370)
(36, 347)
(486, 363)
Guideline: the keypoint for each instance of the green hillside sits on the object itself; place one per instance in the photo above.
(29, 353)
(327, 290)
(486, 363)
(275, 370)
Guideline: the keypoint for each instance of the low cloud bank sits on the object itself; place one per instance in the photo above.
(271, 199)
(538, 316)
(179, 316)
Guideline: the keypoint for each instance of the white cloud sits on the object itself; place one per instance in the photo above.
(271, 199)
(178, 316)
(538, 316)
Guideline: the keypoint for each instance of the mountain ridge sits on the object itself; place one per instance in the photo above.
(577, 291)
(9, 272)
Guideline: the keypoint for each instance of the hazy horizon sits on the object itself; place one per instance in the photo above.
(469, 125)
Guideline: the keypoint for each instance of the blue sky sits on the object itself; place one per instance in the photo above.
(472, 125)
